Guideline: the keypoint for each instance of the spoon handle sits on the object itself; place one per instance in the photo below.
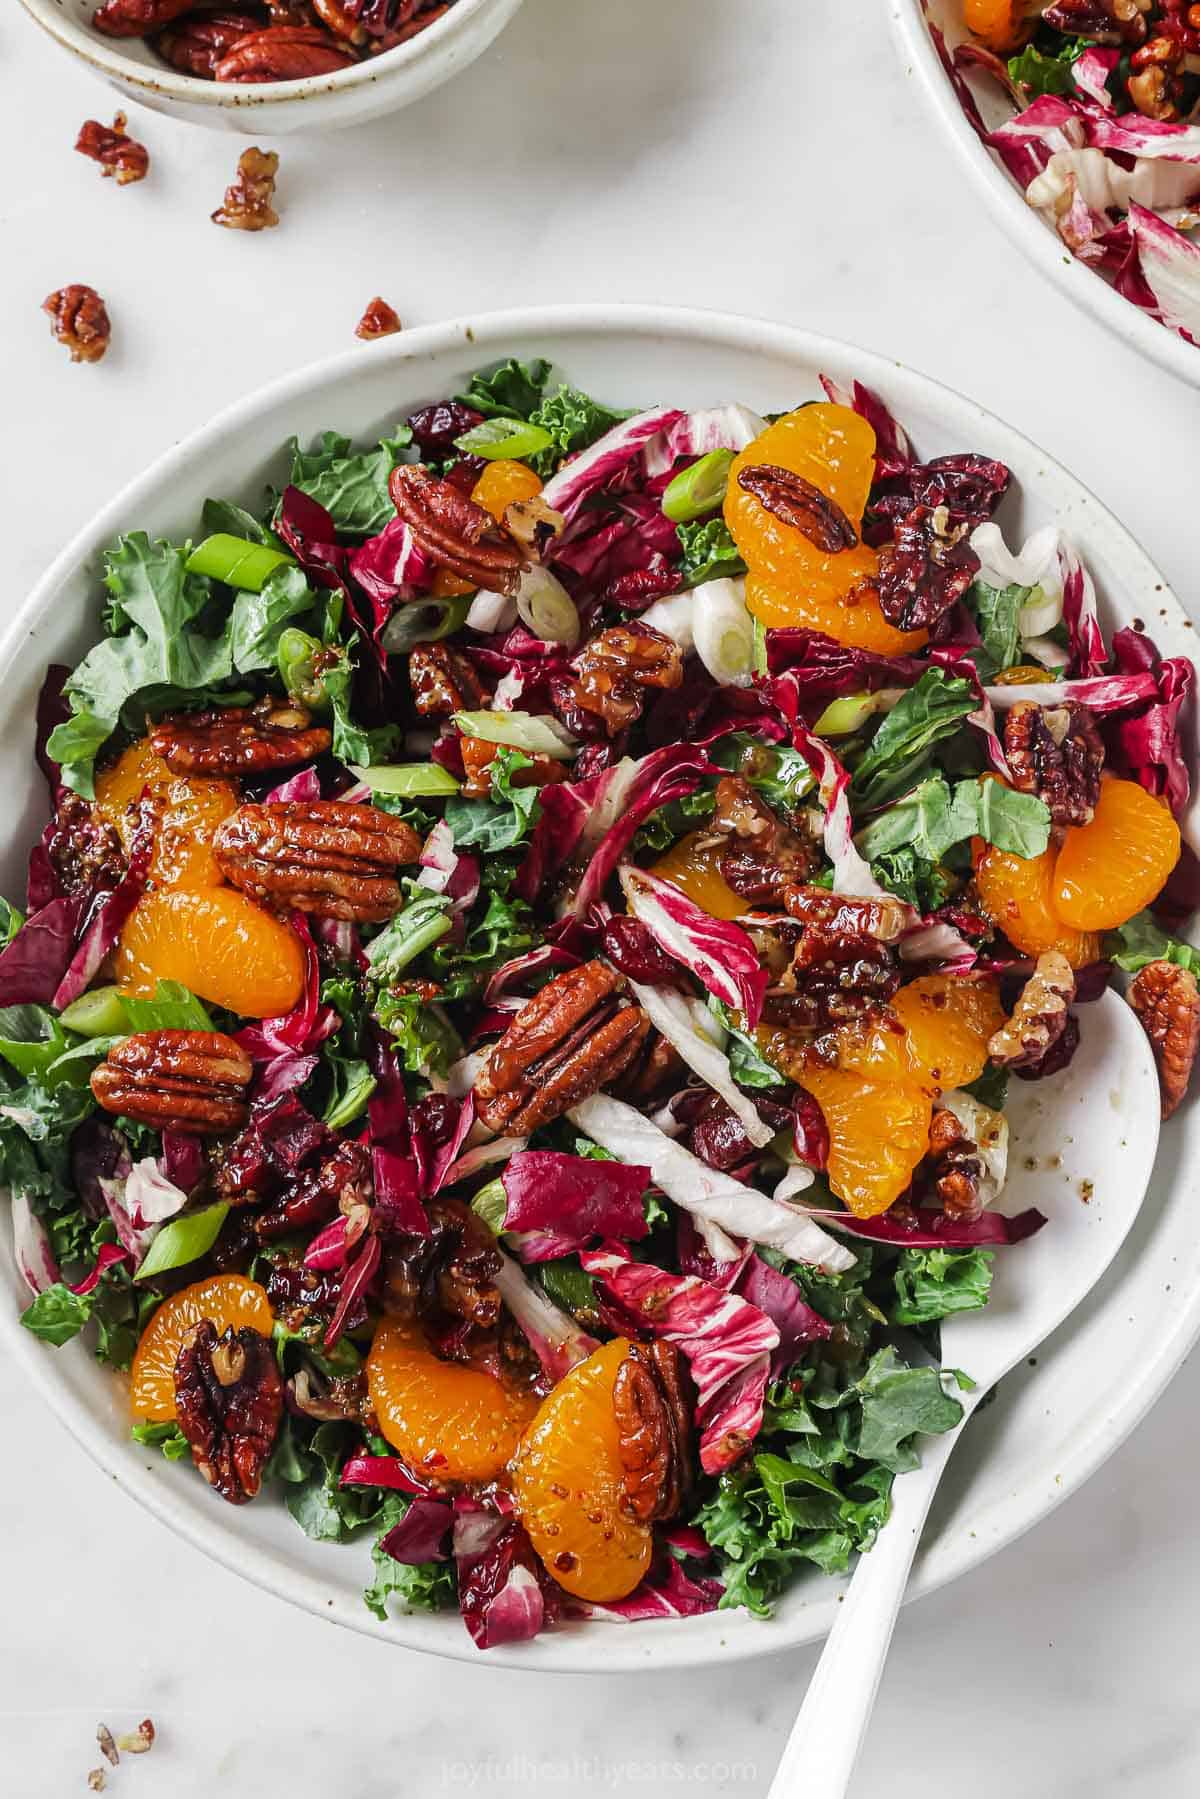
(819, 1756)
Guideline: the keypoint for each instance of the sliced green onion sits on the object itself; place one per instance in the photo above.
(852, 710)
(547, 609)
(296, 657)
(100, 1013)
(407, 780)
(490, 1204)
(494, 438)
(424, 621)
(760, 647)
(236, 561)
(536, 734)
(698, 489)
(183, 1240)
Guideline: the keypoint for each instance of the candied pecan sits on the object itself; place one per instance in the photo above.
(341, 1180)
(455, 532)
(616, 669)
(238, 740)
(764, 856)
(570, 1040)
(189, 1081)
(796, 502)
(1166, 999)
(955, 1168)
(228, 1402)
(926, 568)
(656, 1066)
(320, 856)
(1057, 1057)
(135, 18)
(84, 849)
(834, 976)
(400, 34)
(341, 20)
(379, 320)
(79, 320)
(1155, 91)
(1040, 1015)
(467, 1264)
(277, 53)
(653, 1431)
(532, 523)
(1057, 753)
(247, 203)
(443, 681)
(196, 43)
(1104, 21)
(111, 146)
(840, 915)
(478, 754)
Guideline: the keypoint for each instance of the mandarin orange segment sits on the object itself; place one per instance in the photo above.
(502, 483)
(445, 1419)
(878, 1132)
(1114, 866)
(189, 810)
(219, 944)
(948, 1021)
(856, 620)
(229, 1300)
(1017, 893)
(693, 864)
(1000, 23)
(566, 1481)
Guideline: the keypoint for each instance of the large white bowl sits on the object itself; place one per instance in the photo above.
(1051, 1426)
(382, 84)
(1029, 231)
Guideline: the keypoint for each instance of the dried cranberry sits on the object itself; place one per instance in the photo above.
(630, 947)
(969, 487)
(464, 473)
(435, 428)
(925, 570)
(718, 1138)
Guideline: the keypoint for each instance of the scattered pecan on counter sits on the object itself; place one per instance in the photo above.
(229, 1402)
(189, 1081)
(247, 204)
(763, 856)
(111, 146)
(239, 740)
(1057, 753)
(573, 1038)
(926, 569)
(196, 43)
(653, 1415)
(956, 1167)
(796, 502)
(455, 532)
(1166, 999)
(1039, 1021)
(320, 856)
(379, 320)
(443, 681)
(79, 320)
(616, 670)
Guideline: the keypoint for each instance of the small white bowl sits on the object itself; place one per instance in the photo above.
(1033, 236)
(271, 108)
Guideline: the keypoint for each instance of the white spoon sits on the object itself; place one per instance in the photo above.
(1081, 1149)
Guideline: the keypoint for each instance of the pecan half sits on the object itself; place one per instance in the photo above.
(653, 1431)
(279, 53)
(956, 1168)
(443, 681)
(1166, 999)
(344, 23)
(1057, 753)
(570, 1040)
(190, 1081)
(238, 740)
(614, 672)
(926, 568)
(764, 856)
(334, 860)
(111, 146)
(1039, 1017)
(247, 203)
(228, 1402)
(454, 531)
(834, 976)
(79, 320)
(838, 914)
(379, 320)
(135, 18)
(196, 43)
(796, 502)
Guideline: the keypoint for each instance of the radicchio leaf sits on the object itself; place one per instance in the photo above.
(780, 1298)
(671, 1593)
(566, 491)
(574, 1199)
(31, 1246)
(421, 1534)
(717, 952)
(925, 1227)
(108, 915)
(34, 965)
(500, 1594)
(664, 775)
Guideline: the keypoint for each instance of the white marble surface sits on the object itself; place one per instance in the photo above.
(757, 156)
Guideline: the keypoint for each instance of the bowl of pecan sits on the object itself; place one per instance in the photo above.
(278, 66)
(1080, 122)
(554, 920)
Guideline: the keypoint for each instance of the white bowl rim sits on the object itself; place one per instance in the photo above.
(94, 48)
(1022, 225)
(490, 336)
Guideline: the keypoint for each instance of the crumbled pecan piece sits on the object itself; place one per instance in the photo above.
(79, 320)
(840, 915)
(478, 754)
(108, 1746)
(532, 523)
(467, 1264)
(331, 1401)
(247, 203)
(653, 1431)
(95, 1780)
(796, 502)
(454, 531)
(926, 568)
(614, 672)
(135, 18)
(324, 857)
(238, 740)
(279, 53)
(85, 850)
(1166, 999)
(189, 1081)
(228, 1402)
(573, 1038)
(443, 681)
(379, 320)
(111, 146)
(1040, 1016)
(1155, 84)
(833, 978)
(764, 856)
(1057, 753)
(196, 43)
(956, 1168)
